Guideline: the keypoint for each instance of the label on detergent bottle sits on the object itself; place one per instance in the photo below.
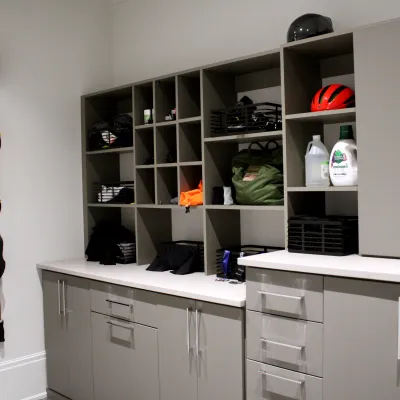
(339, 163)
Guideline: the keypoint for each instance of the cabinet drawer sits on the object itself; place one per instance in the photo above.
(125, 359)
(288, 343)
(270, 383)
(126, 303)
(285, 293)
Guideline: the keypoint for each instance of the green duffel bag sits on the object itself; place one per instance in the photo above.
(262, 156)
(258, 185)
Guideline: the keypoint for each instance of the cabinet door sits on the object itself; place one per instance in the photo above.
(377, 78)
(221, 352)
(176, 342)
(361, 339)
(77, 318)
(125, 360)
(55, 329)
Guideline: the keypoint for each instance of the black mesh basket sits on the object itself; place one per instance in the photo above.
(237, 271)
(332, 236)
(114, 192)
(199, 245)
(259, 117)
(126, 253)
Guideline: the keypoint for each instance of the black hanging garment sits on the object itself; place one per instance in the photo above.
(103, 244)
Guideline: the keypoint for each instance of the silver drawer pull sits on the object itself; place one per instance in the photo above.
(285, 296)
(59, 298)
(300, 383)
(120, 326)
(188, 312)
(117, 302)
(289, 346)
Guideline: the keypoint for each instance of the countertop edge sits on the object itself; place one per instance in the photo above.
(327, 271)
(157, 289)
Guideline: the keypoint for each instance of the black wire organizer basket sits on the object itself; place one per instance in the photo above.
(192, 243)
(126, 253)
(332, 236)
(122, 192)
(236, 271)
(258, 117)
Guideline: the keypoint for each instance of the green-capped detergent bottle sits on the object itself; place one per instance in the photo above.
(343, 168)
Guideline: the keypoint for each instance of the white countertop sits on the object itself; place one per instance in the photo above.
(196, 286)
(354, 266)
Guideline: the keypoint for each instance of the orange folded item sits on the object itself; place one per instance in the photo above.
(192, 197)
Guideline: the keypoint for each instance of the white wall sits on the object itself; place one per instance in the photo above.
(51, 52)
(156, 37)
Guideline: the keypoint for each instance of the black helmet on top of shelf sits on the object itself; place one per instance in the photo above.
(309, 25)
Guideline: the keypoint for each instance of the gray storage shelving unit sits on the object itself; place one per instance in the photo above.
(289, 76)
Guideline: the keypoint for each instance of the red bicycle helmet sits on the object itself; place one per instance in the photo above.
(333, 97)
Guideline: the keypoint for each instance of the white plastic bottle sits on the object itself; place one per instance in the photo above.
(343, 168)
(317, 163)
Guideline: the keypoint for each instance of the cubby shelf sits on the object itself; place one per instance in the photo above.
(190, 163)
(145, 166)
(101, 205)
(244, 207)
(325, 117)
(166, 123)
(167, 165)
(192, 120)
(246, 138)
(146, 126)
(323, 189)
(120, 150)
(166, 206)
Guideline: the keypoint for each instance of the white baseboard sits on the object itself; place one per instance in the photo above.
(24, 378)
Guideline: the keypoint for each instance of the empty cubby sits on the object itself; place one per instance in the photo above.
(189, 95)
(190, 177)
(190, 142)
(144, 146)
(145, 186)
(154, 228)
(310, 65)
(165, 92)
(223, 85)
(166, 147)
(167, 184)
(103, 107)
(144, 100)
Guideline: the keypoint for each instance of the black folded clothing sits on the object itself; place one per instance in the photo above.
(180, 259)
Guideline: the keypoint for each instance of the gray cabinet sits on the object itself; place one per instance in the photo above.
(125, 359)
(68, 335)
(204, 342)
(361, 340)
(377, 78)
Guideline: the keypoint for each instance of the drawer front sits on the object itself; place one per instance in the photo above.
(125, 359)
(288, 343)
(285, 293)
(270, 383)
(126, 303)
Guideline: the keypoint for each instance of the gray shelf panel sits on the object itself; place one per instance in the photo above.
(146, 126)
(190, 163)
(149, 166)
(192, 120)
(166, 123)
(238, 207)
(325, 117)
(323, 189)
(120, 150)
(166, 206)
(101, 205)
(246, 138)
(167, 165)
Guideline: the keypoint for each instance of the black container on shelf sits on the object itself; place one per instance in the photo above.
(122, 192)
(258, 117)
(332, 236)
(126, 253)
(193, 243)
(236, 271)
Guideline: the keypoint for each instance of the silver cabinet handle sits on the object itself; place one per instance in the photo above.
(289, 346)
(59, 298)
(285, 296)
(398, 343)
(64, 300)
(117, 302)
(188, 311)
(197, 332)
(300, 383)
(119, 326)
